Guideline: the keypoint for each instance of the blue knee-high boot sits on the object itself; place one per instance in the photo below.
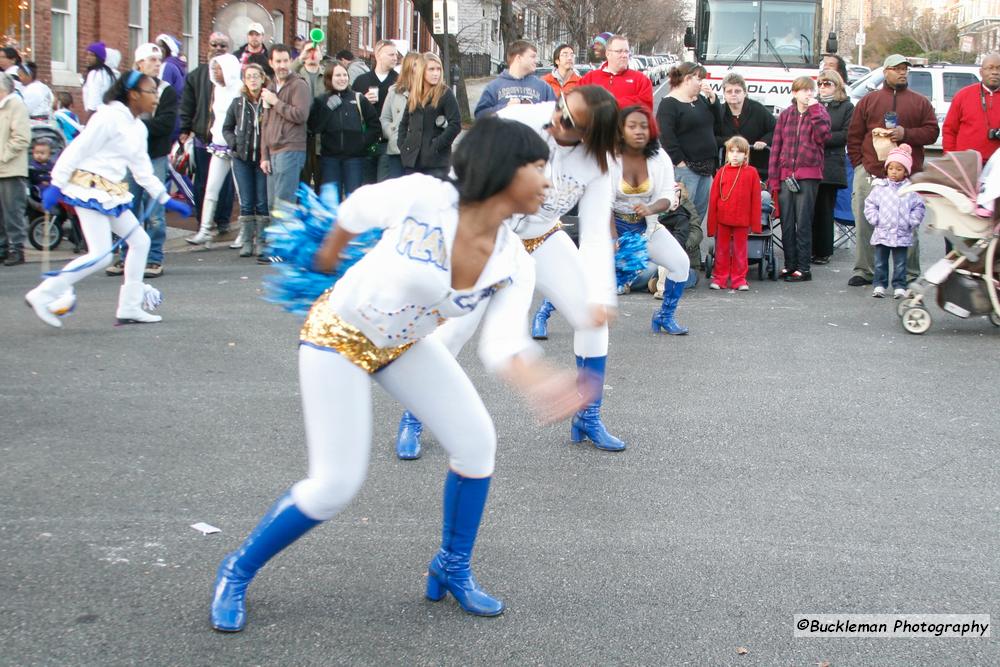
(540, 326)
(664, 318)
(587, 423)
(280, 526)
(408, 437)
(449, 572)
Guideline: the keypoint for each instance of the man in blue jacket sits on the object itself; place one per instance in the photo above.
(517, 84)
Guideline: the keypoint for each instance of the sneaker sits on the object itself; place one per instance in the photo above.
(878, 292)
(858, 281)
(799, 277)
(899, 293)
(743, 288)
(15, 256)
(153, 271)
(116, 269)
(714, 285)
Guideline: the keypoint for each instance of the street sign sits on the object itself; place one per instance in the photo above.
(438, 17)
(361, 8)
(966, 44)
(859, 39)
(321, 9)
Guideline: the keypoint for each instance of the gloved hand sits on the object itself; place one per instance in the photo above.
(51, 197)
(178, 206)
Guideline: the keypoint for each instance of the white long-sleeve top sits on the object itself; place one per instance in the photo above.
(113, 142)
(97, 83)
(661, 186)
(401, 289)
(576, 179)
(223, 93)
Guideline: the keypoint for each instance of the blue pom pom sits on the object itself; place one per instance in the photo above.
(630, 258)
(294, 240)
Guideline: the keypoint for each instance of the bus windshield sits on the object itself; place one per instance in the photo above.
(768, 31)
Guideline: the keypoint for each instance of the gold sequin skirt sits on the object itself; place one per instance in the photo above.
(531, 245)
(325, 329)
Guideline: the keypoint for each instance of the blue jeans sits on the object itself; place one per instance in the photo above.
(698, 188)
(224, 205)
(349, 172)
(156, 223)
(251, 186)
(283, 181)
(881, 271)
(389, 166)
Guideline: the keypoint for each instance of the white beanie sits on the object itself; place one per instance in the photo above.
(171, 42)
(146, 50)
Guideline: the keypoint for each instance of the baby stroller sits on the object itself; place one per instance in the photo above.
(62, 220)
(760, 247)
(965, 280)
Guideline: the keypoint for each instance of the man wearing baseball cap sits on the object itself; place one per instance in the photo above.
(903, 116)
(254, 50)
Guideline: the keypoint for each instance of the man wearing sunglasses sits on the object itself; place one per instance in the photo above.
(517, 84)
(196, 118)
(627, 85)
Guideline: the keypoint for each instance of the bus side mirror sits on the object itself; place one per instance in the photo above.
(689, 38)
(831, 43)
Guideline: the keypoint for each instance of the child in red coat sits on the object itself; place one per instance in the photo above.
(733, 210)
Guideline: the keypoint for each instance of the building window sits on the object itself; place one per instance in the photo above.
(138, 24)
(279, 27)
(189, 31)
(64, 35)
(303, 19)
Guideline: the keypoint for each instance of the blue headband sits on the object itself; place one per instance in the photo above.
(132, 80)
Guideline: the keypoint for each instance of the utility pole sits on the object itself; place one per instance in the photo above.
(861, 29)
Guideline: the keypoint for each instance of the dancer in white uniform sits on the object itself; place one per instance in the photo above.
(581, 130)
(644, 187)
(227, 86)
(445, 251)
(90, 175)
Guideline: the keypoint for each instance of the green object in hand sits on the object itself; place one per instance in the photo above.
(317, 36)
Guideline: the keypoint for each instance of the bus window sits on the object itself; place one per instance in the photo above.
(732, 25)
(786, 32)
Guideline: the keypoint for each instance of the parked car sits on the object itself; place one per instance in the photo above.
(855, 72)
(937, 83)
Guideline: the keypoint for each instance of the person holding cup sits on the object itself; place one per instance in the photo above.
(374, 86)
(889, 116)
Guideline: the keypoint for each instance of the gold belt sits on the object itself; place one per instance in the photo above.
(630, 217)
(531, 245)
(86, 179)
(324, 328)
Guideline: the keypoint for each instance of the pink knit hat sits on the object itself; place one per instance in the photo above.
(901, 154)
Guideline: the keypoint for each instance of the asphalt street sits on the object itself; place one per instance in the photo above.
(797, 453)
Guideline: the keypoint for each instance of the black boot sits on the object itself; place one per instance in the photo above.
(14, 257)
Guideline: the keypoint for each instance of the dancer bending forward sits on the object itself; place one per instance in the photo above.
(581, 130)
(444, 252)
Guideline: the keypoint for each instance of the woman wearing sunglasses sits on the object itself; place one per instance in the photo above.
(833, 96)
(581, 130)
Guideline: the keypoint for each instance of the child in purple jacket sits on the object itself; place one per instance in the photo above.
(894, 220)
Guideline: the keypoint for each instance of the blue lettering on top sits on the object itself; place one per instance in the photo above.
(470, 301)
(423, 243)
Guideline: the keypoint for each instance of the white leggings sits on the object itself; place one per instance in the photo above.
(219, 169)
(559, 276)
(97, 228)
(665, 251)
(337, 406)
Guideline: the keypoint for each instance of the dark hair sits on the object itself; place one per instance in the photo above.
(344, 54)
(65, 99)
(517, 47)
(653, 145)
(30, 68)
(280, 48)
(328, 75)
(119, 90)
(12, 54)
(601, 137)
(841, 65)
(679, 72)
(510, 145)
(559, 50)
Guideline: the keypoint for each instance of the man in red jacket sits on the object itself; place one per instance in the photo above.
(975, 111)
(909, 118)
(627, 85)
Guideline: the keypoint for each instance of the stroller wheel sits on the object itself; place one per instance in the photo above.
(36, 232)
(995, 319)
(916, 320)
(910, 302)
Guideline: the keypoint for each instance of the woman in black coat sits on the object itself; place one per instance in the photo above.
(431, 122)
(834, 97)
(348, 127)
(747, 118)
